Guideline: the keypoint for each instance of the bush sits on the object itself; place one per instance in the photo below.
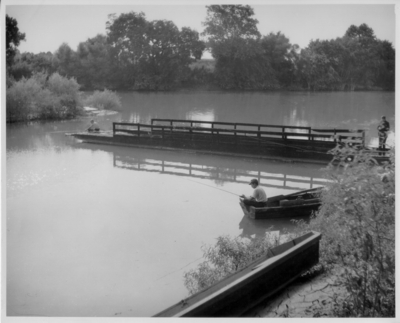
(106, 100)
(21, 100)
(225, 258)
(358, 228)
(42, 97)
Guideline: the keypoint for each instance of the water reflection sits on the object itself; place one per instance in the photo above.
(202, 115)
(220, 171)
(257, 229)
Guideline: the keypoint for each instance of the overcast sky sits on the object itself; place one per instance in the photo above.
(48, 26)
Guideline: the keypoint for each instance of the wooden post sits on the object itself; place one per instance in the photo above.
(113, 129)
(138, 131)
(235, 134)
(283, 133)
(363, 138)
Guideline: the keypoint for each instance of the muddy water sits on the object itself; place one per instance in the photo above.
(109, 231)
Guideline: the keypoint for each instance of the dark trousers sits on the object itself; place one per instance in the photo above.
(382, 142)
(254, 203)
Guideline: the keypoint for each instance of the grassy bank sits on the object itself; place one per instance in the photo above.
(357, 221)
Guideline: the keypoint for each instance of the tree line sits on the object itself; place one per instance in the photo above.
(137, 54)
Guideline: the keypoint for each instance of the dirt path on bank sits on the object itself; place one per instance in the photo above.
(303, 298)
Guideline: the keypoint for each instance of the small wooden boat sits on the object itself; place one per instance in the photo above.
(283, 206)
(241, 291)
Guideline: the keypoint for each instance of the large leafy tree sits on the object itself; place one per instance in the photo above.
(234, 41)
(356, 60)
(317, 66)
(93, 60)
(229, 22)
(26, 64)
(282, 56)
(151, 54)
(362, 49)
(13, 39)
(387, 59)
(65, 60)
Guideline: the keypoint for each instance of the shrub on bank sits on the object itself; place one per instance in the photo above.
(357, 222)
(42, 97)
(21, 100)
(226, 257)
(104, 100)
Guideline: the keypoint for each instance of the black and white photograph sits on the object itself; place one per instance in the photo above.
(198, 159)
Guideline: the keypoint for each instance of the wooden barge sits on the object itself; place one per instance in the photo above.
(243, 290)
(232, 139)
(293, 205)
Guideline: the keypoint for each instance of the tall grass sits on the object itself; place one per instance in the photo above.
(42, 97)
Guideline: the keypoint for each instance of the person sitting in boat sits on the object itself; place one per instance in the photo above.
(259, 197)
(93, 127)
(383, 128)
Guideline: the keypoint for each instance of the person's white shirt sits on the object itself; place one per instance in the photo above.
(259, 194)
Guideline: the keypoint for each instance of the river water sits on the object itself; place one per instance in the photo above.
(96, 230)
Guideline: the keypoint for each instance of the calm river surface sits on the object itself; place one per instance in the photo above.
(109, 231)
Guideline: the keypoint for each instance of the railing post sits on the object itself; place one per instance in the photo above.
(113, 129)
(138, 131)
(283, 133)
(363, 138)
(235, 134)
(162, 132)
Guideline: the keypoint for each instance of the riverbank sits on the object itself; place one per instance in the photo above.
(356, 220)
(306, 297)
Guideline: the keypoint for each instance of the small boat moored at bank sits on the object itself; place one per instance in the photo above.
(241, 291)
(297, 204)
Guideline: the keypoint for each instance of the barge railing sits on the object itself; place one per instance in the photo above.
(179, 127)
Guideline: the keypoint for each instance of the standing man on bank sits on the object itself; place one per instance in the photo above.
(259, 197)
(383, 128)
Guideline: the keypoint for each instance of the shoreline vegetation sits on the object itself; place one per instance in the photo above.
(357, 249)
(136, 54)
(44, 97)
